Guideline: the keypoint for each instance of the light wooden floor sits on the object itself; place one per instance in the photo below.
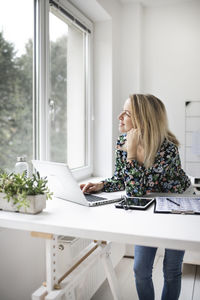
(190, 282)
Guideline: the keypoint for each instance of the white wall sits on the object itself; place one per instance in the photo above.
(130, 73)
(160, 55)
(22, 264)
(171, 60)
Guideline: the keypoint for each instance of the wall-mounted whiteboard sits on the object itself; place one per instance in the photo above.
(192, 138)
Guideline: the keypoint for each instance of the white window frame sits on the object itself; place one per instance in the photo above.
(41, 84)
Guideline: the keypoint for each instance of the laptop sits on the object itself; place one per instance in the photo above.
(63, 185)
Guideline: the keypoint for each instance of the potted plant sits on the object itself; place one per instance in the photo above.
(23, 194)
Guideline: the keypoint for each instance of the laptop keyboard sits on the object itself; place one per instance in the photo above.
(93, 198)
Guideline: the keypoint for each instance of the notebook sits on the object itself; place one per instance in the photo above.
(63, 185)
(178, 205)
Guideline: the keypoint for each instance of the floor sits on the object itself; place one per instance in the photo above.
(190, 282)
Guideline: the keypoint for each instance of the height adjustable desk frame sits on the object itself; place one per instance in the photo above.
(55, 288)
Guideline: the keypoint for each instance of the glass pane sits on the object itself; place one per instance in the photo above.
(16, 36)
(67, 131)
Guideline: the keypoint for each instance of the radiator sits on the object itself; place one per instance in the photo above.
(69, 248)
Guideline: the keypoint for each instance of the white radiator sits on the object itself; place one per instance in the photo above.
(69, 248)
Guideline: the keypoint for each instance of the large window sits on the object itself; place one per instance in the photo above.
(45, 84)
(16, 39)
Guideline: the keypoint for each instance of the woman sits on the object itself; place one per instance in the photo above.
(147, 160)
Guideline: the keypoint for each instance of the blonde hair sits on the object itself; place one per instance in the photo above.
(150, 118)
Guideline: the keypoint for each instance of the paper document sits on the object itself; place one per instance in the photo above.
(190, 205)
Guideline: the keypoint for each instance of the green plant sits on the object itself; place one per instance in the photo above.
(17, 187)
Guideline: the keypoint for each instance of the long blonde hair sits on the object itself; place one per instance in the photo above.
(150, 118)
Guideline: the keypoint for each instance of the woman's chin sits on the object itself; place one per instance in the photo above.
(122, 129)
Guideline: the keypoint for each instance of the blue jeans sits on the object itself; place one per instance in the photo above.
(172, 269)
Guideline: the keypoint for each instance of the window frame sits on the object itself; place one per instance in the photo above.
(41, 83)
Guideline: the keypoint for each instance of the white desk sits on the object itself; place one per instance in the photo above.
(110, 224)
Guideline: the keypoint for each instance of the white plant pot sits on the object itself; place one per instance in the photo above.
(37, 204)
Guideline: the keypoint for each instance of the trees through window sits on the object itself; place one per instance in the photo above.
(67, 107)
(15, 84)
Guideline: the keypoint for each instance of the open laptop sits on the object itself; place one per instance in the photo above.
(63, 185)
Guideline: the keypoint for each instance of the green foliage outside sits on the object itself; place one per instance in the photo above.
(16, 102)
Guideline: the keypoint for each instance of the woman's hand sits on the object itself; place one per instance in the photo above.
(132, 143)
(91, 187)
(134, 149)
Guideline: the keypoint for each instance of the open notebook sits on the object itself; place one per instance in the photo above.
(178, 205)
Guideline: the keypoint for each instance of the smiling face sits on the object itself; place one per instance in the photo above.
(125, 122)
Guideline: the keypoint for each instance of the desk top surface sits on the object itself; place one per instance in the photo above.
(108, 223)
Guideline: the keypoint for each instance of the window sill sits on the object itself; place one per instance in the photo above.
(92, 179)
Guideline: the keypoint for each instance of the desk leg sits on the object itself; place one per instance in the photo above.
(51, 263)
(48, 292)
(110, 273)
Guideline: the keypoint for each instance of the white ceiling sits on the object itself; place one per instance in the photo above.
(154, 2)
(95, 12)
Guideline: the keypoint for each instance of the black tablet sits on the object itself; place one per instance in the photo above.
(141, 203)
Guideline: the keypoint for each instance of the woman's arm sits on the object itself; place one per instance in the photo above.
(166, 175)
(133, 151)
(116, 182)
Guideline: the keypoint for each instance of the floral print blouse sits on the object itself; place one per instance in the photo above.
(166, 174)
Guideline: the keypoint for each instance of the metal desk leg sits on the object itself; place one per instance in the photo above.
(47, 291)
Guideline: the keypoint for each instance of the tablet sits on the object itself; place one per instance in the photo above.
(140, 203)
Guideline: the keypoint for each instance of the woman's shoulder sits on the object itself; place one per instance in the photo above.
(168, 147)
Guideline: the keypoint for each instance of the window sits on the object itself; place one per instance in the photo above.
(16, 40)
(68, 115)
(45, 84)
